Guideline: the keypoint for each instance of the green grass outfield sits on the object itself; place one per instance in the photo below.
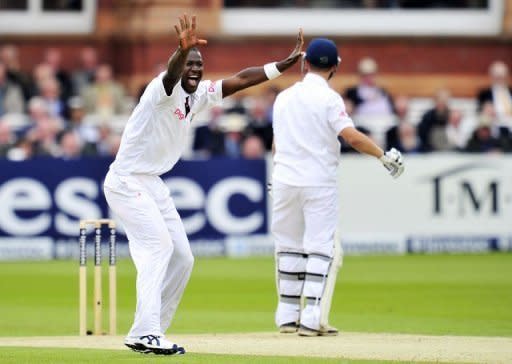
(421, 294)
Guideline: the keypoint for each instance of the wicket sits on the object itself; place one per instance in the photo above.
(98, 295)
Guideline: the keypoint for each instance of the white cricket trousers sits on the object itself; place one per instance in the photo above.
(304, 222)
(158, 246)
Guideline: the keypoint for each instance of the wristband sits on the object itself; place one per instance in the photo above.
(271, 70)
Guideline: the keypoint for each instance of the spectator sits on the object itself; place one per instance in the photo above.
(482, 140)
(396, 134)
(209, 138)
(9, 56)
(44, 137)
(70, 145)
(53, 58)
(367, 98)
(7, 138)
(51, 93)
(88, 133)
(43, 129)
(499, 93)
(22, 150)
(457, 130)
(432, 127)
(253, 148)
(232, 125)
(40, 74)
(259, 123)
(105, 96)
(11, 95)
(372, 105)
(84, 76)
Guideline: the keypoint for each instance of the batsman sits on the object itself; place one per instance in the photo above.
(308, 119)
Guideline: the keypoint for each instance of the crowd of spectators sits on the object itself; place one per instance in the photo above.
(71, 114)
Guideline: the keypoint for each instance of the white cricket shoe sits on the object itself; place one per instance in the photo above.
(153, 344)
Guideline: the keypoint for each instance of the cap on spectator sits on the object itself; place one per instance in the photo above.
(367, 66)
(322, 53)
(232, 122)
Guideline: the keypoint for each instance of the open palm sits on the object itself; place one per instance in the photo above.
(187, 33)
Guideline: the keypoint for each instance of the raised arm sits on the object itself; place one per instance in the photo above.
(255, 75)
(188, 39)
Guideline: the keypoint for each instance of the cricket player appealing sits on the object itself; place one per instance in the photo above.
(151, 144)
(308, 118)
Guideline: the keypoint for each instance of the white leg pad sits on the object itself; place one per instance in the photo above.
(317, 270)
(291, 269)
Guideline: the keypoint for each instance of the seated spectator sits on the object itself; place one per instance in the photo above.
(253, 148)
(44, 137)
(70, 145)
(53, 58)
(367, 97)
(403, 135)
(88, 133)
(432, 127)
(458, 131)
(104, 97)
(7, 138)
(9, 56)
(209, 138)
(372, 106)
(43, 128)
(51, 93)
(84, 76)
(22, 150)
(489, 135)
(233, 125)
(499, 93)
(40, 74)
(259, 123)
(11, 95)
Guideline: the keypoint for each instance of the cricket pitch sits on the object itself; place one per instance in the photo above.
(348, 345)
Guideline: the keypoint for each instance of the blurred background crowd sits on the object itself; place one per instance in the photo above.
(81, 112)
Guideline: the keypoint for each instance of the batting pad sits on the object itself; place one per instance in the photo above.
(317, 271)
(291, 270)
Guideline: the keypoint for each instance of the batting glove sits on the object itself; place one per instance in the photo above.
(392, 161)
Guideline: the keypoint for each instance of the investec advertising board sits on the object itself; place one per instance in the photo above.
(42, 200)
(442, 202)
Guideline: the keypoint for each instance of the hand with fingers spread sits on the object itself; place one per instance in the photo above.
(186, 32)
(297, 51)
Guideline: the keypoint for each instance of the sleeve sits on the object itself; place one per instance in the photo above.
(213, 92)
(155, 91)
(337, 115)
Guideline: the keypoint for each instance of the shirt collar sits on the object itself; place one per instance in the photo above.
(315, 78)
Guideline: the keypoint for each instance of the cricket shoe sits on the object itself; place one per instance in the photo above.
(323, 331)
(158, 345)
(289, 328)
(328, 330)
(307, 331)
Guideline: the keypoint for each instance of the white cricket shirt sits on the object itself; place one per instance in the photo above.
(155, 134)
(307, 120)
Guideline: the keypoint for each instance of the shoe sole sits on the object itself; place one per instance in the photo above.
(138, 348)
(328, 333)
(141, 348)
(305, 331)
(287, 330)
